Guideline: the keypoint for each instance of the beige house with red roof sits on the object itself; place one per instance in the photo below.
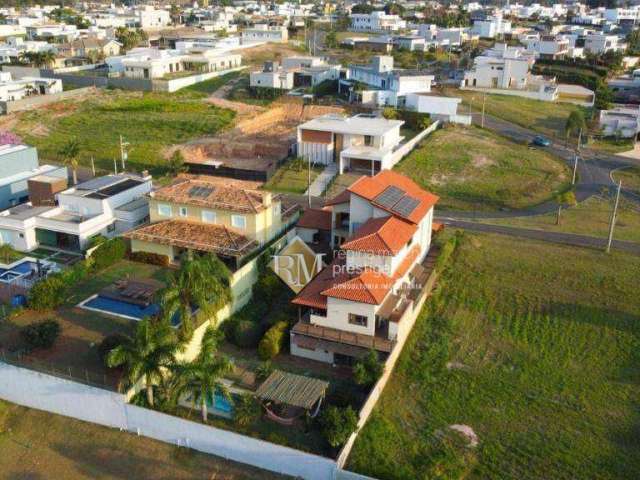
(381, 227)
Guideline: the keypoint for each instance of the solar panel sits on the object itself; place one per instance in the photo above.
(405, 206)
(200, 192)
(389, 197)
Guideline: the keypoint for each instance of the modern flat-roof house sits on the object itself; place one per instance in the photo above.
(19, 163)
(107, 206)
(294, 72)
(16, 89)
(491, 27)
(230, 218)
(264, 33)
(364, 298)
(623, 121)
(599, 42)
(377, 21)
(358, 143)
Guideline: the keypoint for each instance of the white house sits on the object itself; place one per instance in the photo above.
(623, 121)
(361, 142)
(548, 47)
(298, 71)
(492, 27)
(599, 43)
(363, 299)
(148, 17)
(272, 75)
(265, 33)
(12, 90)
(623, 15)
(106, 206)
(377, 21)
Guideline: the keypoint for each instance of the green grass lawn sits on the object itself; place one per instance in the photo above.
(590, 217)
(475, 169)
(534, 346)
(630, 178)
(150, 122)
(292, 177)
(37, 444)
(213, 84)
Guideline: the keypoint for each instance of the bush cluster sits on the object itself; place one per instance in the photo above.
(108, 253)
(42, 334)
(150, 258)
(273, 340)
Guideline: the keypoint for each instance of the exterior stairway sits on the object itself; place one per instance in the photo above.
(321, 182)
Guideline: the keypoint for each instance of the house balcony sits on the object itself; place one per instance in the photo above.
(379, 341)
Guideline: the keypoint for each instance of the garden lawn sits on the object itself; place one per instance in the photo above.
(534, 346)
(292, 177)
(630, 178)
(37, 444)
(590, 217)
(150, 122)
(475, 169)
(213, 84)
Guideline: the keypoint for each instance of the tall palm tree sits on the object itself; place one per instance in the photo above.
(201, 379)
(201, 283)
(147, 355)
(70, 153)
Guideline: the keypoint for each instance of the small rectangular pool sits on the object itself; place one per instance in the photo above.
(121, 308)
(21, 269)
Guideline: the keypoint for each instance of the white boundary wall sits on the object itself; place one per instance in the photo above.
(409, 145)
(44, 392)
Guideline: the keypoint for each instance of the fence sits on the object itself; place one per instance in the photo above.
(406, 147)
(39, 100)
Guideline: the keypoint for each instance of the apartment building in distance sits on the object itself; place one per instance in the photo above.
(365, 298)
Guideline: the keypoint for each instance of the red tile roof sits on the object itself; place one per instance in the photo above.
(381, 236)
(367, 287)
(315, 218)
(370, 187)
(407, 262)
(342, 197)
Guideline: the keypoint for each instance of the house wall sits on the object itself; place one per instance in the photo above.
(279, 80)
(338, 311)
(317, 355)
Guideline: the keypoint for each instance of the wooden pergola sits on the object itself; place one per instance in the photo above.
(292, 390)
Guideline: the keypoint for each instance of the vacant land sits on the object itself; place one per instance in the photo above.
(340, 183)
(213, 84)
(37, 445)
(548, 118)
(533, 346)
(630, 178)
(590, 217)
(149, 121)
(475, 169)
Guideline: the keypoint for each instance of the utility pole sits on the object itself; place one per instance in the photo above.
(93, 167)
(575, 169)
(115, 166)
(484, 100)
(579, 139)
(309, 183)
(613, 217)
(123, 152)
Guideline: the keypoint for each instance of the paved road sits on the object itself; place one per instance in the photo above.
(553, 237)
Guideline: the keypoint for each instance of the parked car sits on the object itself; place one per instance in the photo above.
(540, 141)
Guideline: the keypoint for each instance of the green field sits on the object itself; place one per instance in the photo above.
(150, 122)
(38, 445)
(536, 348)
(591, 217)
(475, 169)
(630, 178)
(292, 177)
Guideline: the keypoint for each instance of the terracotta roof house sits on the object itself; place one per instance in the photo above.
(381, 229)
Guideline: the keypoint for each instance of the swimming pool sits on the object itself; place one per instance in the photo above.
(25, 267)
(220, 404)
(125, 309)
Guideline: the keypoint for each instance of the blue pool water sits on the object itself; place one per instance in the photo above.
(18, 270)
(220, 403)
(120, 307)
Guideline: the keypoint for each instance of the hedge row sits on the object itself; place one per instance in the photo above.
(273, 340)
(150, 258)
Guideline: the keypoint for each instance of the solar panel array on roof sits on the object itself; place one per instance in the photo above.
(200, 192)
(100, 182)
(405, 206)
(389, 197)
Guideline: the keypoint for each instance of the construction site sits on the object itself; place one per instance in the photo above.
(260, 142)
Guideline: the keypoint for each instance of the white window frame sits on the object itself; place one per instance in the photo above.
(236, 219)
(168, 211)
(213, 217)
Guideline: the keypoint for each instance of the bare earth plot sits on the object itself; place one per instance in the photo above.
(39, 445)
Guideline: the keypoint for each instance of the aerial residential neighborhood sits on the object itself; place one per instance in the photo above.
(320, 240)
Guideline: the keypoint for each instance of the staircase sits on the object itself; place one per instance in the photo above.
(321, 182)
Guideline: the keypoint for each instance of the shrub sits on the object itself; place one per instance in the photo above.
(246, 334)
(150, 258)
(264, 370)
(109, 343)
(42, 334)
(337, 424)
(272, 341)
(108, 253)
(246, 410)
(368, 369)
(48, 293)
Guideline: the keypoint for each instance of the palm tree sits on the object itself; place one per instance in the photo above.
(147, 355)
(200, 283)
(70, 152)
(202, 377)
(575, 123)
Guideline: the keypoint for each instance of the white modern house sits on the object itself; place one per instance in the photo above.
(622, 121)
(492, 27)
(358, 143)
(148, 17)
(17, 89)
(365, 298)
(303, 71)
(272, 75)
(598, 43)
(108, 206)
(548, 47)
(264, 33)
(377, 21)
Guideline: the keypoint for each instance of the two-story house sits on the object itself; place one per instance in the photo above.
(362, 300)
(361, 142)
